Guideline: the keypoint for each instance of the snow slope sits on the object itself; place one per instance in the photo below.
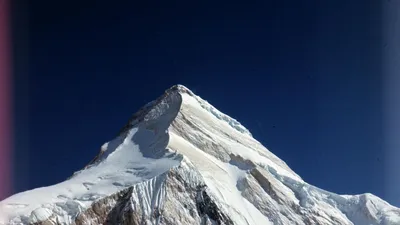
(179, 160)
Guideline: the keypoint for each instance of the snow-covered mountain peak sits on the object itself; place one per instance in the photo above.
(165, 111)
(180, 88)
(179, 160)
(178, 91)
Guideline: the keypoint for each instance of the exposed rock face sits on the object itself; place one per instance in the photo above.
(181, 161)
(185, 203)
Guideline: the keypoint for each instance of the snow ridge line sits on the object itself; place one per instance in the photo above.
(180, 89)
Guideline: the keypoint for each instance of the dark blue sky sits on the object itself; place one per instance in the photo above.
(303, 76)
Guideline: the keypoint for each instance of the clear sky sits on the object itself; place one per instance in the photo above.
(303, 76)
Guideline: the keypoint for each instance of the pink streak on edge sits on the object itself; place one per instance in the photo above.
(5, 102)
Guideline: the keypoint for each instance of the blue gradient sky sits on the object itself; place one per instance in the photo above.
(304, 77)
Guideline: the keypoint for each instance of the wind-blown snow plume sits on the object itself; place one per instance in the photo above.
(181, 161)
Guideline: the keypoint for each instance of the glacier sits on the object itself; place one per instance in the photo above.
(179, 160)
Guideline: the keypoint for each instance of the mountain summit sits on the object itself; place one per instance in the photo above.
(179, 161)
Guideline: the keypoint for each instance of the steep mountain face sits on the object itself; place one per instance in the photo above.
(181, 161)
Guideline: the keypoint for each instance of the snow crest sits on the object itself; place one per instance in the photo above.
(218, 114)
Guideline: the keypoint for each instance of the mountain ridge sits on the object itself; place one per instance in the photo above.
(179, 160)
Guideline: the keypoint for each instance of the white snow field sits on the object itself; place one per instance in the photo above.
(181, 161)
